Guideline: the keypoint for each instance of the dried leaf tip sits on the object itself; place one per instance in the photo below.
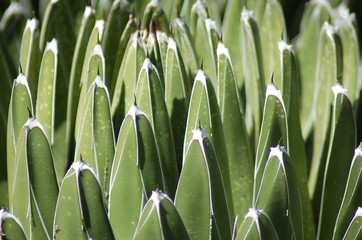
(153, 26)
(177, 12)
(171, 32)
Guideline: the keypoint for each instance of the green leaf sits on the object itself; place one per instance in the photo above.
(35, 188)
(185, 41)
(150, 98)
(340, 154)
(20, 104)
(256, 225)
(177, 95)
(187, 8)
(315, 15)
(30, 54)
(154, 11)
(129, 29)
(96, 66)
(135, 173)
(232, 34)
(206, 39)
(346, 24)
(154, 51)
(115, 25)
(14, 17)
(86, 28)
(11, 227)
(241, 162)
(352, 195)
(96, 138)
(253, 72)
(354, 228)
(58, 22)
(274, 130)
(272, 29)
(127, 78)
(80, 213)
(203, 206)
(204, 109)
(160, 220)
(327, 73)
(289, 83)
(45, 104)
(258, 7)
(278, 195)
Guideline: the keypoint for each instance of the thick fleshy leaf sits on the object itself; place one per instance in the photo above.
(355, 226)
(11, 227)
(314, 17)
(346, 24)
(35, 188)
(272, 30)
(256, 225)
(129, 29)
(327, 73)
(150, 98)
(154, 10)
(154, 52)
(127, 78)
(135, 173)
(177, 96)
(274, 130)
(58, 22)
(340, 154)
(204, 109)
(241, 162)
(20, 104)
(253, 72)
(96, 139)
(86, 28)
(232, 35)
(96, 67)
(14, 17)
(289, 83)
(185, 41)
(30, 54)
(279, 196)
(80, 213)
(47, 85)
(116, 23)
(206, 39)
(203, 207)
(352, 197)
(160, 220)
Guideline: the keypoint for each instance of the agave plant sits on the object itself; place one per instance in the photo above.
(178, 119)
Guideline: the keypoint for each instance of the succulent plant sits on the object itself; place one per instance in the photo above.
(180, 119)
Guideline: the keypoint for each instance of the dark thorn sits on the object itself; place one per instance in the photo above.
(81, 158)
(220, 38)
(29, 113)
(98, 71)
(282, 34)
(134, 99)
(200, 125)
(280, 142)
(138, 33)
(202, 65)
(272, 78)
(20, 69)
(147, 53)
(98, 41)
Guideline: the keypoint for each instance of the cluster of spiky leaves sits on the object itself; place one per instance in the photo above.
(112, 131)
